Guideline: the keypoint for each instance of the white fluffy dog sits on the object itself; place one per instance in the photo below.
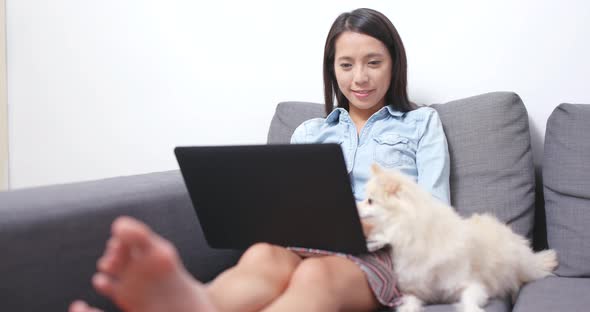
(440, 257)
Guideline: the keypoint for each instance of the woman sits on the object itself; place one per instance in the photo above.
(365, 70)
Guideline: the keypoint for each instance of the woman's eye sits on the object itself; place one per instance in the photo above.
(374, 63)
(345, 65)
(370, 201)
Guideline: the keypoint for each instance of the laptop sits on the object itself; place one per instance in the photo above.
(296, 195)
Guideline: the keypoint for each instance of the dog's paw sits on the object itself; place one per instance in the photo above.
(471, 309)
(409, 308)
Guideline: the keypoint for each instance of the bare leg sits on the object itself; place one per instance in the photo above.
(261, 275)
(328, 283)
(140, 271)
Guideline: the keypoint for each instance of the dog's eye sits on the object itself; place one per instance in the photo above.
(370, 201)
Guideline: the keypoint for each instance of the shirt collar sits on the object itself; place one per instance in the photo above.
(393, 112)
(335, 114)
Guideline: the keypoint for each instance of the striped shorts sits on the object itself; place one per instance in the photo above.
(378, 267)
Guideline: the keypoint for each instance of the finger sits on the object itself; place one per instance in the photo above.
(367, 228)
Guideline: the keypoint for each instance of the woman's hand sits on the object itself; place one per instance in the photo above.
(367, 227)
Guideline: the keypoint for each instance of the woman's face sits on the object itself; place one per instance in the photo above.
(363, 70)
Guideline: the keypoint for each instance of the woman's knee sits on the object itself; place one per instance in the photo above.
(335, 281)
(267, 257)
(314, 273)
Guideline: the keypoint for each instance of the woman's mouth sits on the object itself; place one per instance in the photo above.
(361, 94)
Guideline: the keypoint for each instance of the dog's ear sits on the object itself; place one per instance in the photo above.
(376, 169)
(391, 186)
(388, 182)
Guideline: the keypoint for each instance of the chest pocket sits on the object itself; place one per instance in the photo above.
(392, 150)
(345, 150)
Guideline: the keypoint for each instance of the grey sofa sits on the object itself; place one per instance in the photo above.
(50, 237)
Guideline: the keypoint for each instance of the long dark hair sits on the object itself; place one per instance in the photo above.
(378, 26)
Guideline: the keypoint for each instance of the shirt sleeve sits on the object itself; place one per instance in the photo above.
(299, 134)
(433, 160)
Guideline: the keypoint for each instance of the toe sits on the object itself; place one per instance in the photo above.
(93, 309)
(78, 306)
(114, 245)
(81, 306)
(103, 284)
(132, 233)
(115, 259)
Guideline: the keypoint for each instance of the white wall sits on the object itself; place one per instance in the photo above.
(108, 88)
(3, 102)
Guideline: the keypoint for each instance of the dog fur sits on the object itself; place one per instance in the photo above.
(441, 257)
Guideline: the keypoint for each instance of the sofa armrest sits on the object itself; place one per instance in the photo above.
(52, 236)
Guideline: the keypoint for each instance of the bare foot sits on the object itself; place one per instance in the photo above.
(141, 272)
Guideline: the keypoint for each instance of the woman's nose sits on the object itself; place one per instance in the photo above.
(361, 76)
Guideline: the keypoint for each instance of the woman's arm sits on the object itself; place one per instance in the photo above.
(433, 160)
(299, 135)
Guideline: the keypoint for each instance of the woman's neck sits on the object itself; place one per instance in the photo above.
(360, 116)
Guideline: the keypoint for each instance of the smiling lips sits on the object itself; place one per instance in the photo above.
(361, 94)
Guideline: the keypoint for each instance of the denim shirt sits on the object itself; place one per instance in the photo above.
(412, 142)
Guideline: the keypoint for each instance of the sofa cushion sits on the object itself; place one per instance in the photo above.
(566, 182)
(52, 236)
(494, 305)
(554, 294)
(491, 159)
(489, 143)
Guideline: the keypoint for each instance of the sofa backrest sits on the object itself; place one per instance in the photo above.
(289, 115)
(566, 186)
(52, 236)
(492, 167)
